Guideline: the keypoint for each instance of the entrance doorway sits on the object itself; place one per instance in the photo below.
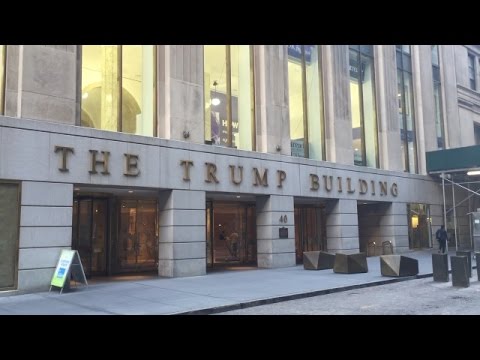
(310, 230)
(115, 235)
(89, 237)
(231, 234)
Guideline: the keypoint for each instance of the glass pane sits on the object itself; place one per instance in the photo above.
(438, 114)
(435, 56)
(100, 87)
(209, 234)
(403, 135)
(410, 122)
(295, 97)
(314, 102)
(406, 49)
(138, 89)
(366, 49)
(242, 96)
(147, 242)
(84, 243)
(419, 226)
(369, 112)
(356, 109)
(2, 79)
(399, 60)
(215, 98)
(99, 235)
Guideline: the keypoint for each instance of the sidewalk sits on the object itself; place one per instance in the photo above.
(207, 294)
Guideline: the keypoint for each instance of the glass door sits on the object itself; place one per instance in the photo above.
(310, 230)
(90, 234)
(231, 234)
(137, 245)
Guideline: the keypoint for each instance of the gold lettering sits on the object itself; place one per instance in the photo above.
(363, 186)
(186, 169)
(131, 165)
(314, 182)
(373, 186)
(260, 180)
(383, 188)
(325, 182)
(282, 175)
(339, 184)
(211, 170)
(349, 186)
(232, 174)
(96, 162)
(394, 189)
(65, 150)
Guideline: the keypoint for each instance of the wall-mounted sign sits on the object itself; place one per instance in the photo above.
(283, 233)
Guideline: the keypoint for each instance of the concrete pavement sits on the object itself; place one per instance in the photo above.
(212, 293)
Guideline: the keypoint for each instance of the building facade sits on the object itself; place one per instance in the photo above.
(179, 159)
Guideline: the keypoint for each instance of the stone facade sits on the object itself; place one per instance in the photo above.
(42, 103)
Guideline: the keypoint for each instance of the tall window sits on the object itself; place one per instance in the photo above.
(118, 88)
(437, 94)
(229, 96)
(305, 101)
(471, 72)
(2, 79)
(362, 92)
(406, 115)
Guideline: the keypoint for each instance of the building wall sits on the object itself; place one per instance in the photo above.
(42, 88)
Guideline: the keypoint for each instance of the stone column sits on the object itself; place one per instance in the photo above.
(424, 103)
(45, 229)
(180, 92)
(450, 97)
(41, 82)
(182, 245)
(271, 84)
(338, 120)
(273, 252)
(342, 226)
(388, 124)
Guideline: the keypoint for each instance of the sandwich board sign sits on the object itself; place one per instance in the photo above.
(69, 265)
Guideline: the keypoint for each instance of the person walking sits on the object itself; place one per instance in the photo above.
(442, 236)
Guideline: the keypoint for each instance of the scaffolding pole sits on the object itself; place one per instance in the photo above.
(454, 218)
(444, 205)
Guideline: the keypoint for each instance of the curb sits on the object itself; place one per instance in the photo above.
(253, 303)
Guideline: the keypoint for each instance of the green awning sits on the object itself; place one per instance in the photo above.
(449, 160)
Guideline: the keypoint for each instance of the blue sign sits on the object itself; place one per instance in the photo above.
(295, 52)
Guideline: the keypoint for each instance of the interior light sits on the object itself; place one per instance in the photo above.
(238, 196)
(414, 221)
(85, 95)
(473, 173)
(76, 189)
(215, 100)
(130, 191)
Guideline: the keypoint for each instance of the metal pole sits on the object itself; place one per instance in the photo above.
(454, 217)
(444, 205)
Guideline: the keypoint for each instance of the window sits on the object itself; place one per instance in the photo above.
(362, 93)
(476, 131)
(118, 88)
(437, 95)
(305, 101)
(2, 78)
(229, 96)
(406, 116)
(471, 72)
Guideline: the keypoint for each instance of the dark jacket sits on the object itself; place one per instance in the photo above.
(441, 235)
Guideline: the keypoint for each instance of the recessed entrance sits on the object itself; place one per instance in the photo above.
(310, 230)
(115, 235)
(231, 234)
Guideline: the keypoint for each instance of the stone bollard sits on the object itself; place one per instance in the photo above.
(468, 254)
(460, 271)
(440, 267)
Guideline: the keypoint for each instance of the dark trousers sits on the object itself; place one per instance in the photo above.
(443, 246)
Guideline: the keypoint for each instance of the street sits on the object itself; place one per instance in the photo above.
(415, 297)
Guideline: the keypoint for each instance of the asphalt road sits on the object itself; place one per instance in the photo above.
(415, 297)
